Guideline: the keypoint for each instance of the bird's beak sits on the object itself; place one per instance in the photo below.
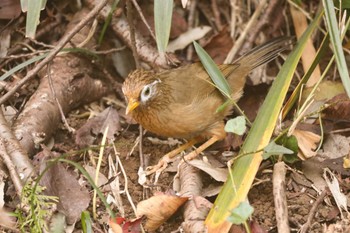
(133, 103)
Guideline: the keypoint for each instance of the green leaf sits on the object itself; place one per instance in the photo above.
(275, 149)
(236, 125)
(163, 11)
(335, 37)
(22, 65)
(33, 7)
(213, 70)
(86, 222)
(241, 213)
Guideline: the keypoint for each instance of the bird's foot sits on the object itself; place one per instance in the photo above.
(161, 165)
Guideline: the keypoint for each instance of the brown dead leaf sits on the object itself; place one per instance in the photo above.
(307, 143)
(158, 209)
(219, 174)
(335, 146)
(339, 108)
(86, 135)
(63, 183)
(219, 46)
(121, 225)
(300, 25)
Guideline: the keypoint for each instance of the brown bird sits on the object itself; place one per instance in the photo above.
(183, 102)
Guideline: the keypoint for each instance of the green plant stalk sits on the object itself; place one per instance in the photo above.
(293, 98)
(245, 168)
(107, 22)
(335, 37)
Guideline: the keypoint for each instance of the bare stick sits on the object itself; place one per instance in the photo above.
(238, 44)
(319, 200)
(279, 193)
(11, 167)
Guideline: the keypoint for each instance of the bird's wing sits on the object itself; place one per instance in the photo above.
(193, 82)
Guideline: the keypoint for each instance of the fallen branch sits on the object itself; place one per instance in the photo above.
(75, 82)
(280, 200)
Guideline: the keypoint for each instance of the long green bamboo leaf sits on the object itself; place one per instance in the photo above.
(213, 70)
(334, 33)
(33, 8)
(162, 21)
(235, 190)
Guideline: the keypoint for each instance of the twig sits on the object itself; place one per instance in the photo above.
(125, 181)
(16, 152)
(263, 21)
(143, 18)
(216, 13)
(31, 74)
(63, 117)
(240, 40)
(11, 167)
(313, 211)
(191, 17)
(280, 200)
(132, 33)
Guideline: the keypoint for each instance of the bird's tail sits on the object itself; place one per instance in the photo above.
(265, 52)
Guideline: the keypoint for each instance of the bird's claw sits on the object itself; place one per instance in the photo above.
(159, 168)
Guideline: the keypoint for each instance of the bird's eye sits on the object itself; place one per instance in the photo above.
(146, 93)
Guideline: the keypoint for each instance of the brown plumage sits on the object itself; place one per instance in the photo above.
(182, 102)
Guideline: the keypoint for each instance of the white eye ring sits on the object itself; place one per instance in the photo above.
(148, 91)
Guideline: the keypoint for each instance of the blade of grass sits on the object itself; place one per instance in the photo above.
(334, 33)
(163, 11)
(213, 71)
(107, 21)
(235, 190)
(21, 66)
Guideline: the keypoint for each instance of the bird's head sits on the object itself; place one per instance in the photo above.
(140, 89)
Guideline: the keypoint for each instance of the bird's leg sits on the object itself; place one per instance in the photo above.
(163, 162)
(204, 146)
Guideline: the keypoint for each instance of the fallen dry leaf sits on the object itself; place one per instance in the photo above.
(219, 174)
(158, 209)
(339, 108)
(121, 225)
(86, 135)
(300, 25)
(335, 146)
(63, 183)
(307, 143)
(333, 185)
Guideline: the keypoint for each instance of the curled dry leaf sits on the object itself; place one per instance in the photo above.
(219, 174)
(333, 185)
(121, 225)
(158, 209)
(307, 142)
